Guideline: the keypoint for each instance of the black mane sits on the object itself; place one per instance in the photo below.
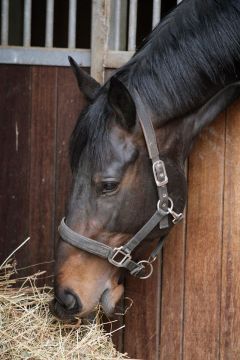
(190, 55)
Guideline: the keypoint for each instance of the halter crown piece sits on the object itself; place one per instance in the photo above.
(121, 256)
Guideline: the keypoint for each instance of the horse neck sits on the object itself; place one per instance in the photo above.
(185, 61)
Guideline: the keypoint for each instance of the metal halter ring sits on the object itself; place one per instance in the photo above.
(160, 210)
(144, 263)
(171, 205)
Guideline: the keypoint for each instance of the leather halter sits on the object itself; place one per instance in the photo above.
(121, 256)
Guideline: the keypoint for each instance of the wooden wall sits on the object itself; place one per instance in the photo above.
(190, 308)
(38, 109)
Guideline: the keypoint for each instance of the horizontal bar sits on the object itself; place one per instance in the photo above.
(49, 23)
(59, 57)
(5, 22)
(72, 21)
(115, 59)
(27, 20)
(43, 56)
(132, 30)
(156, 12)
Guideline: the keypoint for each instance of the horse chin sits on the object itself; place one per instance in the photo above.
(109, 299)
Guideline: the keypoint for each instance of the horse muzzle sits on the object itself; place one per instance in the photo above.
(68, 307)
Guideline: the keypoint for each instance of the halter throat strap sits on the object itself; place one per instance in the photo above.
(122, 256)
(158, 166)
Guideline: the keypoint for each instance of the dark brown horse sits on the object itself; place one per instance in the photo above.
(184, 75)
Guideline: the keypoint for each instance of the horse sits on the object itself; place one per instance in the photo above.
(129, 147)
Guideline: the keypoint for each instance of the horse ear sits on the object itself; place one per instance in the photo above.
(122, 103)
(195, 122)
(86, 83)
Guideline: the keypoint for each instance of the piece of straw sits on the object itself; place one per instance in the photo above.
(14, 251)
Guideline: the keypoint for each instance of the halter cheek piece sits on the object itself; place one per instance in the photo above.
(121, 256)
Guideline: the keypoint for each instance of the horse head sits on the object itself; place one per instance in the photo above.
(114, 191)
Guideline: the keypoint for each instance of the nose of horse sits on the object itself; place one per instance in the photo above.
(68, 300)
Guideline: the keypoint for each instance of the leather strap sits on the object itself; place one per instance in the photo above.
(158, 165)
(107, 252)
(143, 232)
(82, 242)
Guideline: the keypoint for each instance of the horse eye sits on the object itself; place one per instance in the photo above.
(109, 187)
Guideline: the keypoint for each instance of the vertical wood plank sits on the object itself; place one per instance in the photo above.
(141, 335)
(171, 335)
(42, 173)
(230, 309)
(14, 157)
(203, 245)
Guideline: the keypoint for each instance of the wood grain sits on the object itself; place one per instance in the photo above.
(141, 335)
(15, 113)
(70, 103)
(230, 309)
(204, 245)
(171, 335)
(42, 162)
(190, 308)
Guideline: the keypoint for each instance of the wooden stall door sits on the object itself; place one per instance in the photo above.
(39, 106)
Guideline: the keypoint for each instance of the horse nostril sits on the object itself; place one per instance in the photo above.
(69, 300)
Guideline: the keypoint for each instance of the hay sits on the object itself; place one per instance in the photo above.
(29, 331)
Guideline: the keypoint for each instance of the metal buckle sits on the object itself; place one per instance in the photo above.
(176, 217)
(159, 172)
(122, 261)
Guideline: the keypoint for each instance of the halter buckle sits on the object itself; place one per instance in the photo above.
(176, 217)
(119, 257)
(159, 172)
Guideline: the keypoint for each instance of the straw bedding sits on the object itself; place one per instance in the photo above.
(29, 331)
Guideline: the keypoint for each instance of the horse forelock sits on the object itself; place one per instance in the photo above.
(90, 134)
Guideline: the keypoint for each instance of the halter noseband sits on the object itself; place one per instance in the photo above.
(121, 256)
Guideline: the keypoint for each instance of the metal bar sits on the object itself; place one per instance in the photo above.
(156, 12)
(38, 56)
(114, 59)
(72, 20)
(178, 1)
(117, 25)
(27, 20)
(117, 36)
(132, 30)
(49, 23)
(5, 22)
